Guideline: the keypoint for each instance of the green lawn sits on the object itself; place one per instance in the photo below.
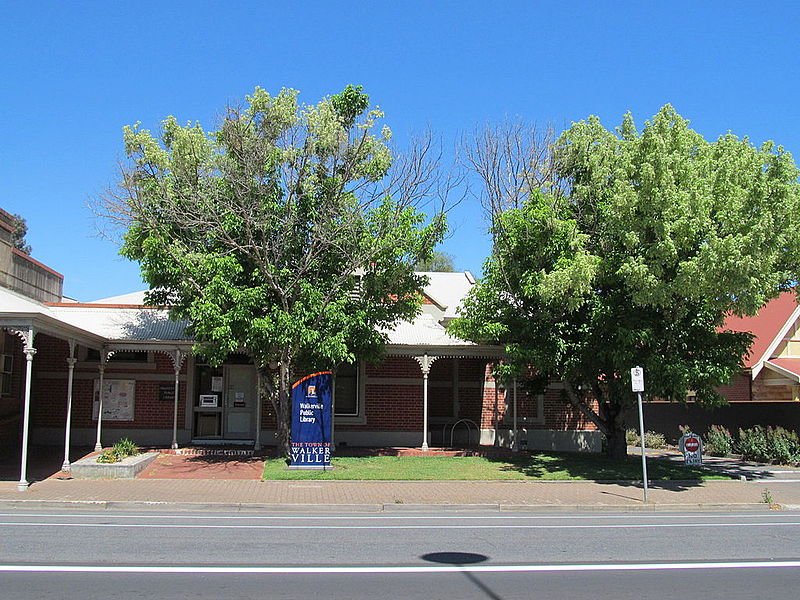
(554, 465)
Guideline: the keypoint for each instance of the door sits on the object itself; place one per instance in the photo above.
(240, 402)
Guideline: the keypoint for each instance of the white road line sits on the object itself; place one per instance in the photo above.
(405, 569)
(382, 516)
(416, 527)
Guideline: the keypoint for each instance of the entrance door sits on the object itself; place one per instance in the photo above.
(240, 402)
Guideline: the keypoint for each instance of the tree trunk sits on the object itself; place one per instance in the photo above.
(611, 415)
(617, 446)
(284, 414)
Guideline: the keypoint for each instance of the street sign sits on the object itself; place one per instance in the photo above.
(637, 379)
(691, 445)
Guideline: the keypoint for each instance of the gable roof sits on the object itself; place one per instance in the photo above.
(448, 290)
(769, 326)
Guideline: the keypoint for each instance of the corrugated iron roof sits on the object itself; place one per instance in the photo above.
(124, 324)
(423, 331)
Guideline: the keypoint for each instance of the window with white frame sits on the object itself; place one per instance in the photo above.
(530, 407)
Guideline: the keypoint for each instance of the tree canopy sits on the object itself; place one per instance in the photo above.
(19, 233)
(438, 262)
(290, 233)
(633, 255)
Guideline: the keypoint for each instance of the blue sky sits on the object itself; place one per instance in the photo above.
(73, 73)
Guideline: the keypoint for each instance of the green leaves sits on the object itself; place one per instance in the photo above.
(655, 237)
(254, 232)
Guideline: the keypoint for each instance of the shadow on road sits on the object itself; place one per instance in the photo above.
(463, 558)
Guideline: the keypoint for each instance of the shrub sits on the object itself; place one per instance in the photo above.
(631, 437)
(783, 445)
(125, 447)
(753, 443)
(651, 439)
(719, 441)
(684, 429)
(654, 440)
(122, 449)
(108, 456)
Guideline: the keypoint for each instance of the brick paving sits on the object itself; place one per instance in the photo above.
(195, 481)
(379, 493)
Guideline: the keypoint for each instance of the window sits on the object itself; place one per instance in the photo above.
(6, 367)
(346, 391)
(6, 363)
(530, 407)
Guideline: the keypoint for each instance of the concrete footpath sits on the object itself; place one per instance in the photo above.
(374, 496)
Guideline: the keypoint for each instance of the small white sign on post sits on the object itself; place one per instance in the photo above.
(637, 386)
(637, 379)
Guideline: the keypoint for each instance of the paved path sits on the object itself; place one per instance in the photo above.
(382, 495)
(188, 482)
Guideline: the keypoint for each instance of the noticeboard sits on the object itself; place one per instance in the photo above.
(119, 397)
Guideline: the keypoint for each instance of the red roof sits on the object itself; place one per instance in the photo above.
(765, 325)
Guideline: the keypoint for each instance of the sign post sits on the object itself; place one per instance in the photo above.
(311, 422)
(637, 385)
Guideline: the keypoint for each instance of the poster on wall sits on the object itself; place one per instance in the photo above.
(118, 399)
(312, 398)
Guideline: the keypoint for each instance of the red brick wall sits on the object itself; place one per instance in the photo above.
(739, 388)
(387, 406)
(49, 390)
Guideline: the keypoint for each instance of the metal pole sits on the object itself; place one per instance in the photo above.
(102, 368)
(257, 442)
(425, 409)
(29, 352)
(641, 436)
(515, 443)
(71, 366)
(175, 409)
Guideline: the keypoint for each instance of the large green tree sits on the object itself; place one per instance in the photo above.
(289, 233)
(632, 254)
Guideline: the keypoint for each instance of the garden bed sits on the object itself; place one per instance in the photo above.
(128, 468)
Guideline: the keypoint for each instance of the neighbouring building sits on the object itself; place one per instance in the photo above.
(767, 392)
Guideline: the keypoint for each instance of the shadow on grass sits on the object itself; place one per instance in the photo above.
(592, 467)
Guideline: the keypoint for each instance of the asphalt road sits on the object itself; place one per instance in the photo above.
(108, 554)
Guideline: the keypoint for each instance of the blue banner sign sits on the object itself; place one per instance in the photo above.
(312, 399)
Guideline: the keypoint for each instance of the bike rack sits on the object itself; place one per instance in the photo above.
(467, 423)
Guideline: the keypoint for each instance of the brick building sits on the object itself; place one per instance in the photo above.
(57, 356)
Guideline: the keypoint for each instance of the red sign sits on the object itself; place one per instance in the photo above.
(691, 444)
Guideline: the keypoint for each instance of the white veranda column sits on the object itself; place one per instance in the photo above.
(102, 369)
(259, 400)
(177, 362)
(30, 351)
(425, 363)
(71, 368)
